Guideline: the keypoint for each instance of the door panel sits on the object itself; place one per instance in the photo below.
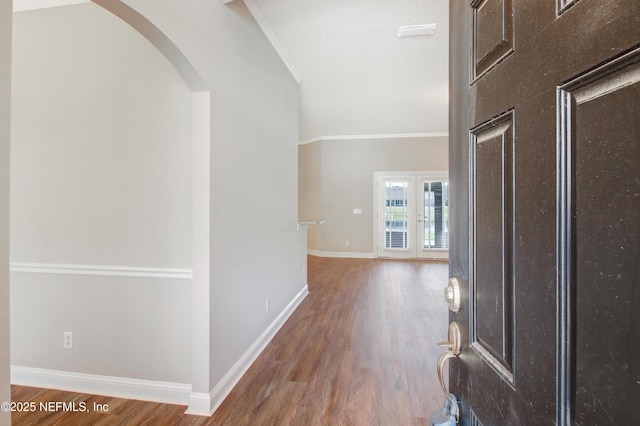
(492, 34)
(602, 198)
(545, 216)
(492, 238)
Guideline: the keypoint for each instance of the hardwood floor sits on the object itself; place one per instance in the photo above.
(360, 350)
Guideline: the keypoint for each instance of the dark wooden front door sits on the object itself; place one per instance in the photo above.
(545, 210)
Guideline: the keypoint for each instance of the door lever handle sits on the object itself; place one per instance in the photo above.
(448, 345)
(453, 346)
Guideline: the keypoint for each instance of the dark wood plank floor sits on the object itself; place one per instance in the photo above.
(360, 350)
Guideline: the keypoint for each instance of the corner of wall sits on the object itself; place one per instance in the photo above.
(6, 17)
(204, 404)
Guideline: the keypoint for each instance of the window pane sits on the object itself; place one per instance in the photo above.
(436, 215)
(396, 214)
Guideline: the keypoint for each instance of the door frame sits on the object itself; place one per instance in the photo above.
(433, 254)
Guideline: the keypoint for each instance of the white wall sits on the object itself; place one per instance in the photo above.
(101, 176)
(256, 251)
(5, 93)
(336, 176)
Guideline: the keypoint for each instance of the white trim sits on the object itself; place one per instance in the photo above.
(198, 401)
(341, 254)
(375, 136)
(431, 258)
(104, 271)
(118, 387)
(24, 5)
(200, 404)
(201, 244)
(271, 36)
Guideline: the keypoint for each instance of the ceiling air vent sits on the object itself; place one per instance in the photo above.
(417, 30)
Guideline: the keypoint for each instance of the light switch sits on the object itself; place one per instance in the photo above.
(357, 211)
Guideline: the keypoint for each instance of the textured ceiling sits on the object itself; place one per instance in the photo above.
(358, 77)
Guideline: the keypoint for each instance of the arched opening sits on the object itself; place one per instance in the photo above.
(109, 202)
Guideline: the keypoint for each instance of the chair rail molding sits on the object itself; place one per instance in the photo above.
(100, 270)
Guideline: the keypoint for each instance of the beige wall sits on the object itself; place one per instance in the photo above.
(256, 250)
(101, 176)
(5, 96)
(101, 134)
(309, 190)
(337, 176)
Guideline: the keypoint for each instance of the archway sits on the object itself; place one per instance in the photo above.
(200, 201)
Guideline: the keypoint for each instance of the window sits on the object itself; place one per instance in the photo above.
(436, 214)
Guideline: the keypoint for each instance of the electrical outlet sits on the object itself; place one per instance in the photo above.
(266, 305)
(68, 340)
(347, 243)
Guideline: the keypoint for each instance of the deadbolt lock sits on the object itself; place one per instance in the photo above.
(452, 294)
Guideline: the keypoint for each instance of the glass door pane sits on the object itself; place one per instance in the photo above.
(435, 230)
(396, 215)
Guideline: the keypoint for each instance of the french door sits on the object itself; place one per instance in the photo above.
(412, 218)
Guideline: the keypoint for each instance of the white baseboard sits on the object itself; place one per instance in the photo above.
(344, 254)
(205, 404)
(163, 392)
(119, 387)
(375, 136)
(200, 404)
(366, 255)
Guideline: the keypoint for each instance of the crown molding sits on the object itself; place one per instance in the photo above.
(375, 136)
(255, 10)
